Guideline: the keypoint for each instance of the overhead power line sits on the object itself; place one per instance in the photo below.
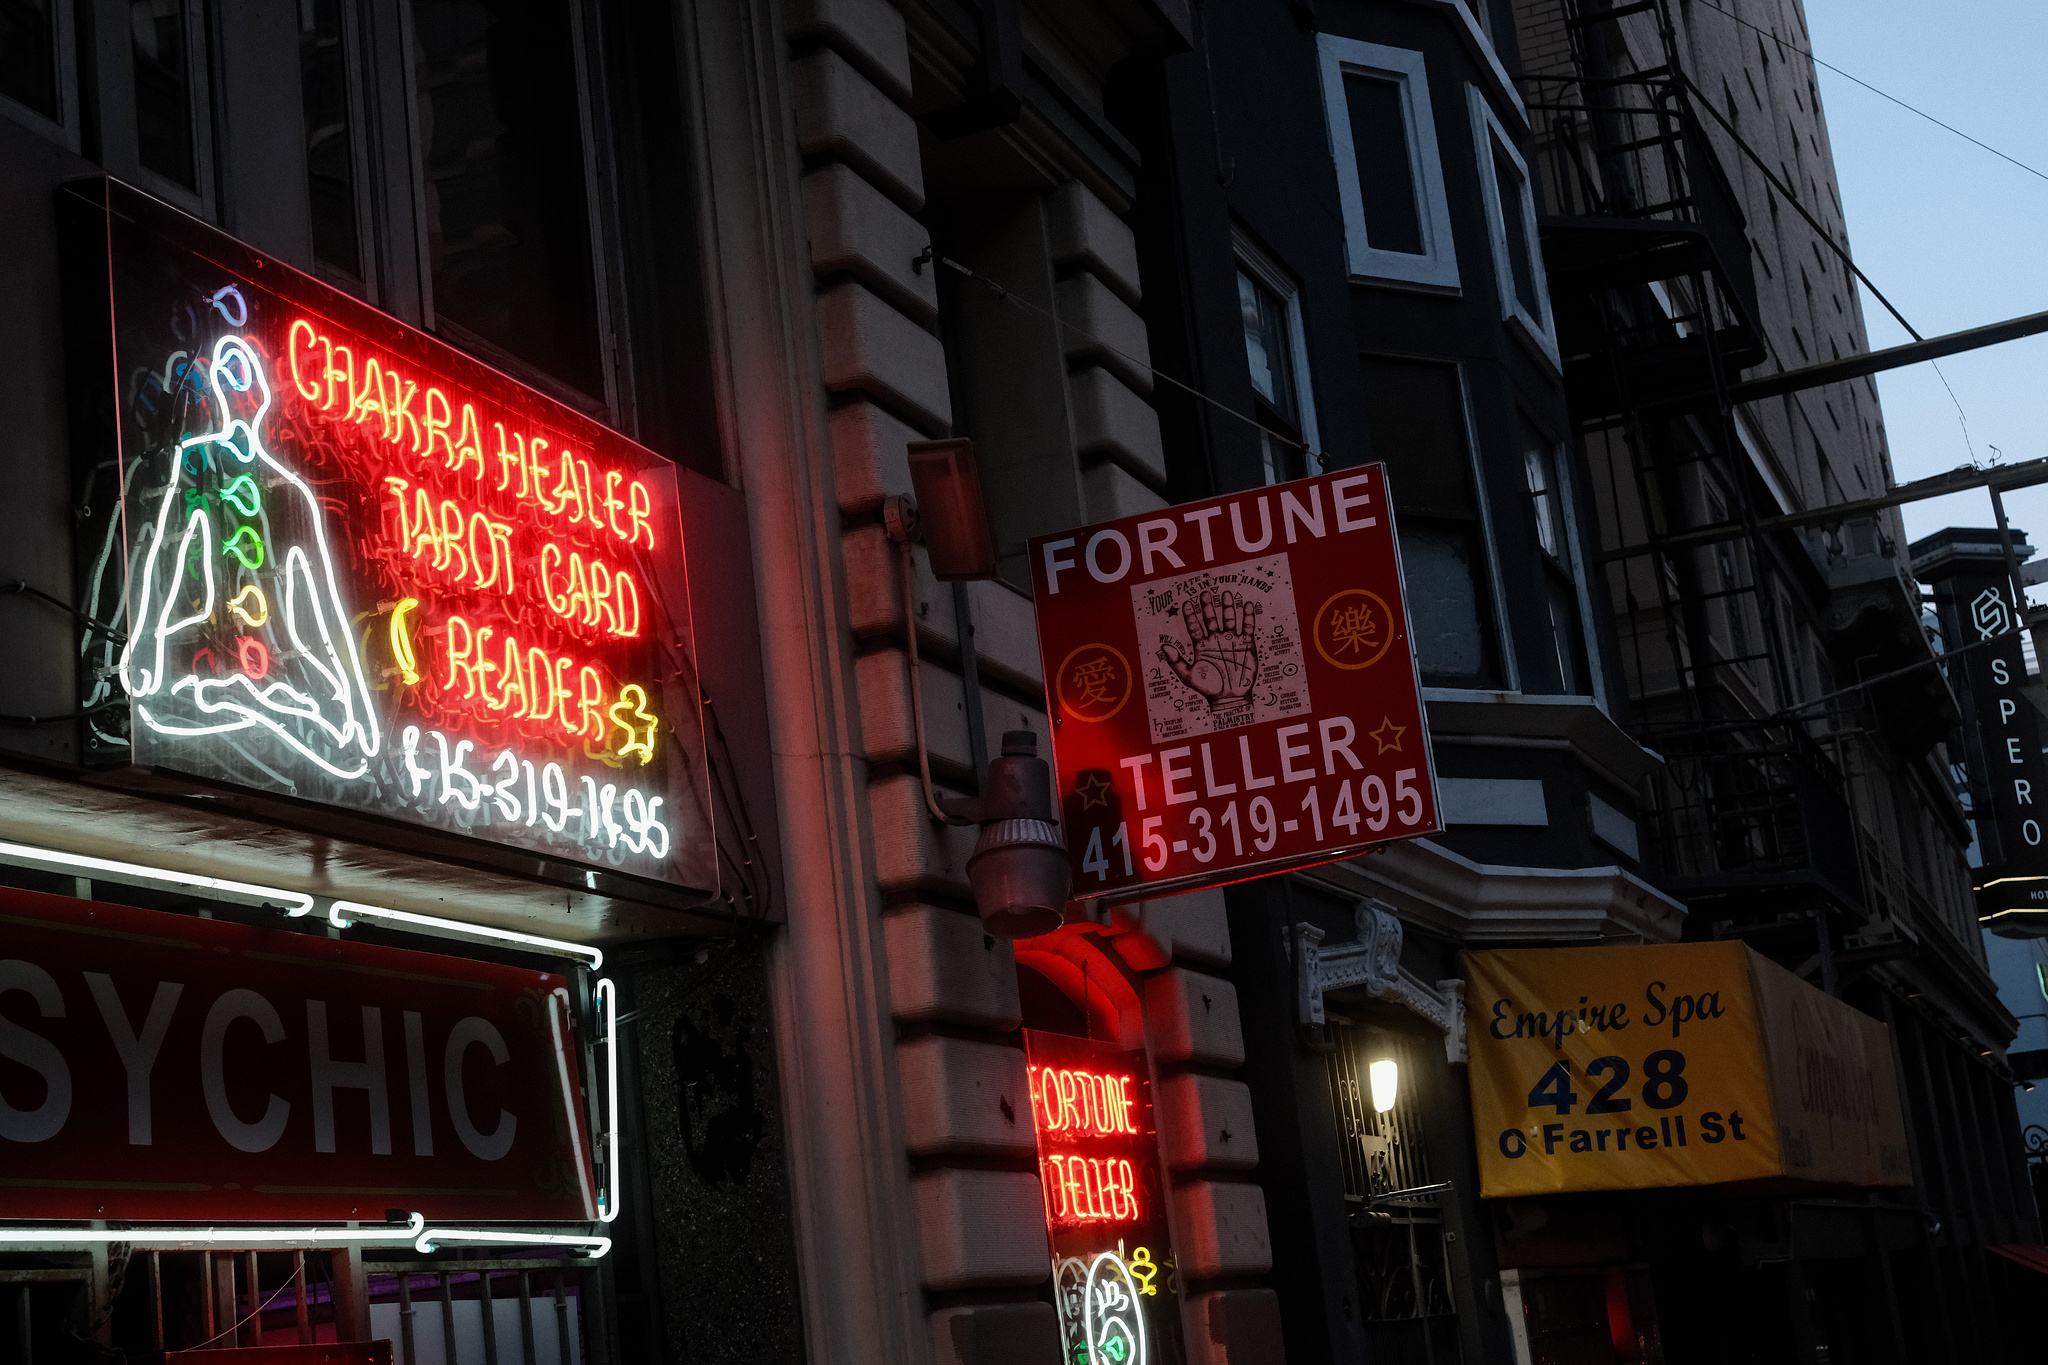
(1976, 142)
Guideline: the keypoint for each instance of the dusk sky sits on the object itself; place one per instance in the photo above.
(1951, 233)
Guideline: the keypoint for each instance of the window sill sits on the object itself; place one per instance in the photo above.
(1536, 342)
(1577, 720)
(1440, 291)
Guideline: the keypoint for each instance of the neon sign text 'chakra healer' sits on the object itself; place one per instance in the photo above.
(354, 566)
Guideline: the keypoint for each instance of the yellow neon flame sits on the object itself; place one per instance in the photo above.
(401, 642)
(262, 606)
(633, 702)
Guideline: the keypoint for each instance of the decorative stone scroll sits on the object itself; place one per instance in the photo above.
(1373, 960)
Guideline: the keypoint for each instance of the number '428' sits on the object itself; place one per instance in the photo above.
(1663, 1086)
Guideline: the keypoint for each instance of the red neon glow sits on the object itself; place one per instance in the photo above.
(1068, 1102)
(532, 684)
(593, 594)
(520, 536)
(254, 657)
(569, 489)
(1087, 1189)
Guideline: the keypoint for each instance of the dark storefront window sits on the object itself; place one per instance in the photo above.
(330, 149)
(507, 192)
(1417, 418)
(163, 89)
(28, 55)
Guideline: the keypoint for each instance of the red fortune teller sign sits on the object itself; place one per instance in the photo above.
(1232, 687)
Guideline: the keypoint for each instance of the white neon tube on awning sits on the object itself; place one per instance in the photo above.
(415, 1231)
(296, 903)
(343, 913)
(232, 1236)
(608, 997)
(433, 1238)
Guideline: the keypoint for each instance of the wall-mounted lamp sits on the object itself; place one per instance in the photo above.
(1019, 868)
(1385, 1076)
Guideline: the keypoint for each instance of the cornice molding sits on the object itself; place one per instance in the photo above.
(1488, 905)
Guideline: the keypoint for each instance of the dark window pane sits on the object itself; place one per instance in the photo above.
(1386, 177)
(508, 227)
(163, 89)
(330, 153)
(1443, 567)
(1416, 416)
(28, 55)
(1516, 221)
(1572, 674)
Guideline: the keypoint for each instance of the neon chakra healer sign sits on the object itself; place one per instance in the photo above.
(352, 565)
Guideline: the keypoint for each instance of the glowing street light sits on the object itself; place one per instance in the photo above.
(1385, 1075)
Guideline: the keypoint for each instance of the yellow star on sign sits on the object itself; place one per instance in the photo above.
(1388, 736)
(1093, 789)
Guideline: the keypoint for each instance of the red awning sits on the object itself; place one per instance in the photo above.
(2030, 1255)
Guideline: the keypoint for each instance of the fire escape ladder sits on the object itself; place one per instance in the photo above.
(1645, 244)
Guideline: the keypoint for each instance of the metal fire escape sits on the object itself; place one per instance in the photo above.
(1650, 269)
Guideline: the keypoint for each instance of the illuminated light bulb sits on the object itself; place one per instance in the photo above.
(1385, 1075)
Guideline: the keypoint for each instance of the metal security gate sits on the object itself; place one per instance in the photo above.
(1396, 1210)
(476, 1312)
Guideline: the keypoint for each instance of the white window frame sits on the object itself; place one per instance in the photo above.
(1253, 260)
(1489, 140)
(1437, 266)
(117, 63)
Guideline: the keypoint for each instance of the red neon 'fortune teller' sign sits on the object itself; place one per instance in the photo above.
(1071, 1105)
(1114, 1280)
(1089, 1107)
(356, 566)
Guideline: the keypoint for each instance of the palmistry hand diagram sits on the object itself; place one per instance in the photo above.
(239, 623)
(1221, 661)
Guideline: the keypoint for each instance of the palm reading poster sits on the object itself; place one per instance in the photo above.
(340, 561)
(1232, 687)
(1228, 651)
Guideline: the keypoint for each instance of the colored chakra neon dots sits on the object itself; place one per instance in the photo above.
(304, 683)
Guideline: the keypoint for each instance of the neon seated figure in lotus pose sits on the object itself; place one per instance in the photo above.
(279, 655)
